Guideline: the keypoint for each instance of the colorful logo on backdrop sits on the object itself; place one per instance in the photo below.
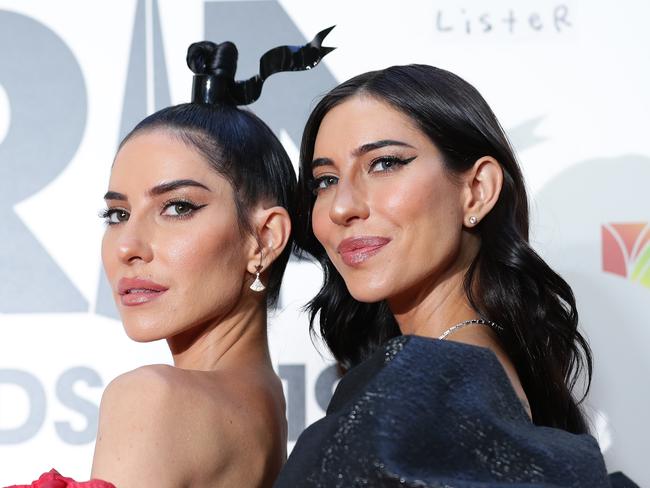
(626, 251)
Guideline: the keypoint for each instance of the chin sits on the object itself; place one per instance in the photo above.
(141, 333)
(366, 292)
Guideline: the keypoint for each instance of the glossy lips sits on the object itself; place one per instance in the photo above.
(134, 291)
(356, 250)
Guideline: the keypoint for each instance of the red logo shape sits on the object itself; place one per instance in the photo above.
(622, 245)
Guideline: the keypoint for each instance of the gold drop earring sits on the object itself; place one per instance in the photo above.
(257, 285)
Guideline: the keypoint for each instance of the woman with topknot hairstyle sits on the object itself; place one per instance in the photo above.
(198, 235)
(199, 213)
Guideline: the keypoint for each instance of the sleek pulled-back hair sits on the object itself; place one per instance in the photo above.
(507, 282)
(235, 143)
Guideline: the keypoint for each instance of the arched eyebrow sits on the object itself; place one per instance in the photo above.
(158, 189)
(321, 162)
(113, 195)
(361, 150)
(175, 185)
(371, 146)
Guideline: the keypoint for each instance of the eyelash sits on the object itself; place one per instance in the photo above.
(109, 212)
(390, 159)
(193, 207)
(316, 182)
(398, 162)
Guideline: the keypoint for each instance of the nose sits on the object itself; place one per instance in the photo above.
(134, 243)
(349, 204)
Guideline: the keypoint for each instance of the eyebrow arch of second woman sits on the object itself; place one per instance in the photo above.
(159, 189)
(361, 150)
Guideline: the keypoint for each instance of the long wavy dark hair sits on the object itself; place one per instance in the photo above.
(507, 282)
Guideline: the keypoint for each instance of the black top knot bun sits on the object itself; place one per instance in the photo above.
(208, 58)
(214, 67)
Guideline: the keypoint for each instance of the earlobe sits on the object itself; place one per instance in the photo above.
(484, 182)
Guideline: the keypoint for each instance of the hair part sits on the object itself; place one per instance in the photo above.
(507, 282)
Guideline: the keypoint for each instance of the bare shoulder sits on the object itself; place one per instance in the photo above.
(253, 421)
(161, 422)
(231, 408)
(139, 391)
(137, 429)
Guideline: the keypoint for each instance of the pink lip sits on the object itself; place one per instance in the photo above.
(356, 250)
(134, 291)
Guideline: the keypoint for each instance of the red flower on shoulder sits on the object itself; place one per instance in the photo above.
(54, 480)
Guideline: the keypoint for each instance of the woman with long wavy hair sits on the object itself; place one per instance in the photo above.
(460, 345)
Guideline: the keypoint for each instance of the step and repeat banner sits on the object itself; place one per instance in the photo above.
(569, 81)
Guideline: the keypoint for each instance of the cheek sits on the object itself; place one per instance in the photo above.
(444, 208)
(417, 188)
(218, 272)
(435, 231)
(427, 199)
(206, 254)
(403, 203)
(426, 214)
(320, 220)
(109, 253)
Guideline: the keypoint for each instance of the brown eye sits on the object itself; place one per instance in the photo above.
(179, 209)
(114, 216)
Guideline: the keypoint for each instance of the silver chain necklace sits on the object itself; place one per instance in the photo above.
(460, 325)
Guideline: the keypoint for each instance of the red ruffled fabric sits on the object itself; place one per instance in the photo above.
(54, 480)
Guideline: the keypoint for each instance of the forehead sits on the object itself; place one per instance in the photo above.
(154, 156)
(363, 119)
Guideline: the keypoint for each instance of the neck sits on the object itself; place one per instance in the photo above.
(237, 338)
(441, 306)
(429, 308)
(432, 310)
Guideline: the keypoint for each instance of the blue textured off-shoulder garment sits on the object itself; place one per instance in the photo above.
(428, 413)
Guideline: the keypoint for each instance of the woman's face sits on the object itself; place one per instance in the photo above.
(386, 211)
(172, 250)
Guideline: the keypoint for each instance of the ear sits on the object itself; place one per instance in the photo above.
(482, 185)
(271, 229)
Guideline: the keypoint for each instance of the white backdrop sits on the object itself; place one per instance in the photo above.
(568, 80)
